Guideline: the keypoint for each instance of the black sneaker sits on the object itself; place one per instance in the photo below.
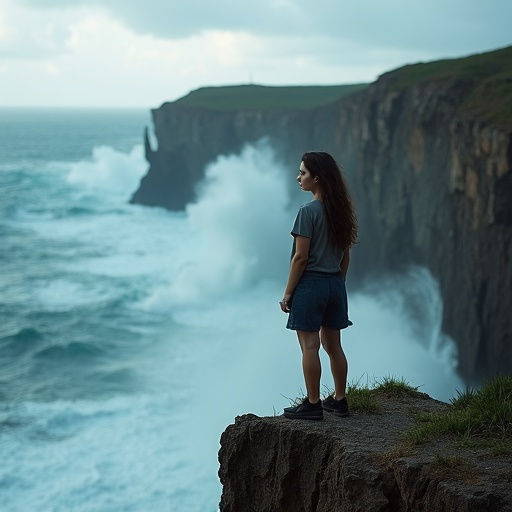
(337, 407)
(305, 411)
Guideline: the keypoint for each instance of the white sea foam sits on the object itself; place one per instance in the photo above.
(110, 171)
(388, 340)
(241, 211)
(416, 295)
(121, 454)
(242, 220)
(212, 277)
(62, 294)
(231, 281)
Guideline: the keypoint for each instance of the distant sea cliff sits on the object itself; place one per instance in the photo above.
(428, 152)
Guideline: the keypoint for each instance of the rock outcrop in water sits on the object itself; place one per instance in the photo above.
(189, 138)
(428, 152)
(356, 464)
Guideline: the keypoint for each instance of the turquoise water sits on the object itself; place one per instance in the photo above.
(130, 337)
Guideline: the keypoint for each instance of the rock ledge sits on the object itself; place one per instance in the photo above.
(273, 464)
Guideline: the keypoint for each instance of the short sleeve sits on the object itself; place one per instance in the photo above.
(303, 225)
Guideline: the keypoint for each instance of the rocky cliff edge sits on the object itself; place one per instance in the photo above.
(359, 463)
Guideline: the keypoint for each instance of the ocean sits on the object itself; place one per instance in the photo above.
(131, 336)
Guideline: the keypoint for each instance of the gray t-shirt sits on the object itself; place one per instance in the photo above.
(311, 222)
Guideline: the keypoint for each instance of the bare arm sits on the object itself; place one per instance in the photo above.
(297, 266)
(344, 263)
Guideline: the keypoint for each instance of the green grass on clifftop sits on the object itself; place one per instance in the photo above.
(475, 417)
(260, 97)
(363, 397)
(490, 74)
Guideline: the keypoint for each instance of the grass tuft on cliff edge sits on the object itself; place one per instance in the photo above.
(363, 398)
(489, 76)
(475, 418)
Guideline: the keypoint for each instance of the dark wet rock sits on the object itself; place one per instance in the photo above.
(272, 464)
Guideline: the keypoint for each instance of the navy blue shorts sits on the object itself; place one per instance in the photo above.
(320, 299)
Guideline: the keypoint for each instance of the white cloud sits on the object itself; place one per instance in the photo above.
(127, 52)
(175, 19)
(31, 34)
(394, 23)
(104, 63)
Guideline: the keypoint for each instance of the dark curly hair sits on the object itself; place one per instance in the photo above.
(341, 216)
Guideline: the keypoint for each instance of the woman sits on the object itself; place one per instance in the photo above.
(315, 296)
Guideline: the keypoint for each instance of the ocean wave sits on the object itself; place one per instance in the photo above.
(74, 351)
(78, 454)
(78, 211)
(240, 221)
(21, 342)
(59, 295)
(121, 376)
(58, 419)
(110, 171)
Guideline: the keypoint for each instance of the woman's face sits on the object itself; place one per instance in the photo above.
(306, 180)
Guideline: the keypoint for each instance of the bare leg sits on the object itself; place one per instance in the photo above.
(331, 341)
(310, 345)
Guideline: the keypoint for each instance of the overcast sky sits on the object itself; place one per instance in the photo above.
(142, 53)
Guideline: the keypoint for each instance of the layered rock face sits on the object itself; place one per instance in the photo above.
(355, 464)
(434, 187)
(190, 138)
(432, 184)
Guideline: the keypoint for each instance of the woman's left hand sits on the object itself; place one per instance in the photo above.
(285, 304)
